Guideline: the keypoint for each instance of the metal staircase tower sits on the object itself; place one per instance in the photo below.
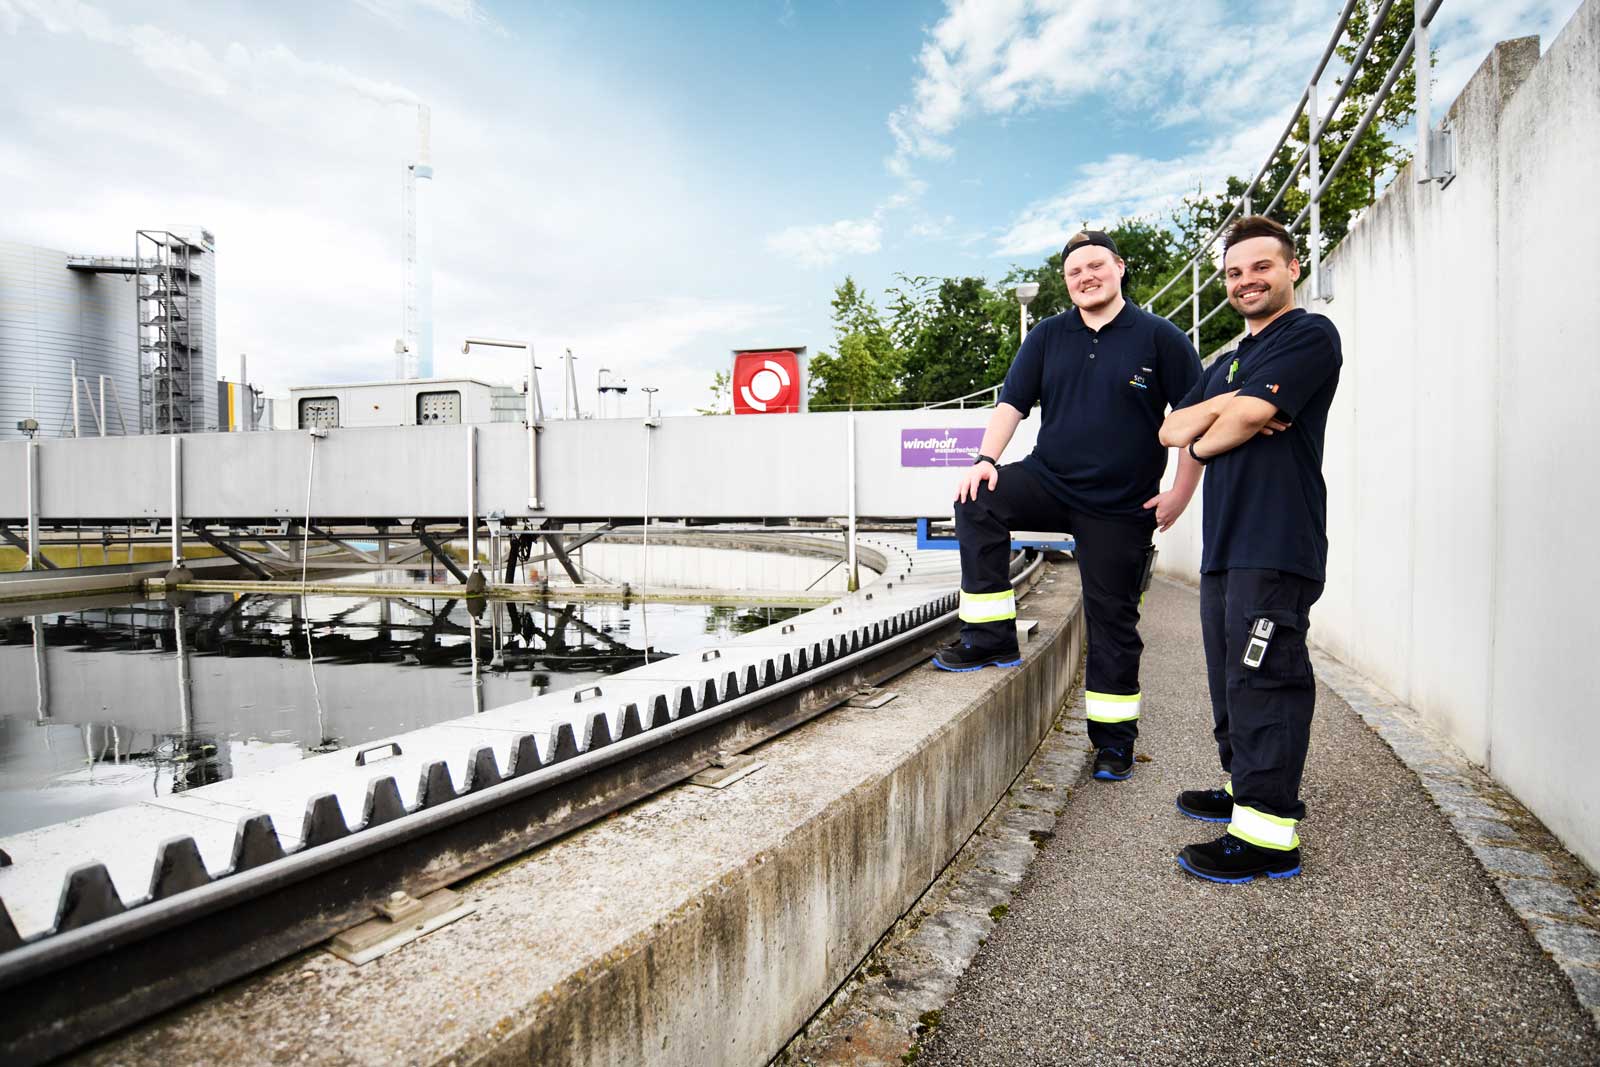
(169, 309)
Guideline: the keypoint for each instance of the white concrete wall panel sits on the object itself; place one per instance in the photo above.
(1545, 732)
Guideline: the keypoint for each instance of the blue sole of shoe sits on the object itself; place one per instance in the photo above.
(1236, 881)
(1107, 776)
(1203, 818)
(979, 667)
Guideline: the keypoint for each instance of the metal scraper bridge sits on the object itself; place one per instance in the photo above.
(114, 917)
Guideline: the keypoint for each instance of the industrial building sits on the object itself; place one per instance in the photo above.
(102, 344)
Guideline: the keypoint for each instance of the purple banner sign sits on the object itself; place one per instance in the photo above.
(940, 448)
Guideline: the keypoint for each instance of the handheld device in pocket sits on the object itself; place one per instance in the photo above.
(1149, 569)
(1255, 649)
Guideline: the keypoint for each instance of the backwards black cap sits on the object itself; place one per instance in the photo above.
(1090, 237)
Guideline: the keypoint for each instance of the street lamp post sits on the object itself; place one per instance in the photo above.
(1025, 294)
(534, 405)
(650, 392)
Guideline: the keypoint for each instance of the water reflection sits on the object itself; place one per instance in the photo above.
(111, 705)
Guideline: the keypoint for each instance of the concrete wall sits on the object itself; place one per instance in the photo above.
(1457, 457)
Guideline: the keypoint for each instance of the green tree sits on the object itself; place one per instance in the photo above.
(947, 331)
(721, 396)
(864, 367)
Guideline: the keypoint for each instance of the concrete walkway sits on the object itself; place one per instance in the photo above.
(1392, 947)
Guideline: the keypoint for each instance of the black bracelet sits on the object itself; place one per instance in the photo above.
(1195, 456)
(985, 459)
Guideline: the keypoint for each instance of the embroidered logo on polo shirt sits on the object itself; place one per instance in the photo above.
(1137, 381)
(1233, 368)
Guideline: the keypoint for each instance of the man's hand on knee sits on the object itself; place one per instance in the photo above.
(974, 476)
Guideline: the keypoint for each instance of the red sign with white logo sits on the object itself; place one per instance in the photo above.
(766, 383)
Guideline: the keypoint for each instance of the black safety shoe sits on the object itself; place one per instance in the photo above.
(1207, 805)
(1230, 860)
(962, 657)
(1114, 764)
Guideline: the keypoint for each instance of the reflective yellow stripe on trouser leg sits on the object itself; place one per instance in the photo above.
(1259, 828)
(988, 607)
(1111, 707)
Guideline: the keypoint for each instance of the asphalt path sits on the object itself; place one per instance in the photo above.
(1392, 946)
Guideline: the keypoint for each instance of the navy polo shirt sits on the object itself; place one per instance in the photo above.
(1266, 505)
(1103, 394)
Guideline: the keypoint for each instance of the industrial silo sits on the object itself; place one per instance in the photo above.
(51, 315)
(141, 328)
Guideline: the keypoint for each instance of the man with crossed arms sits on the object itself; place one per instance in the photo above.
(1256, 420)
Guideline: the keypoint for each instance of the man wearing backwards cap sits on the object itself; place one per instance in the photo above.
(1103, 374)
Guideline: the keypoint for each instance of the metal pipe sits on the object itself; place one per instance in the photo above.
(534, 413)
(177, 500)
(1314, 238)
(72, 372)
(852, 577)
(1424, 119)
(472, 498)
(33, 504)
(105, 416)
(1194, 303)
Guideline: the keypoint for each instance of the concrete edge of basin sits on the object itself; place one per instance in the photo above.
(733, 973)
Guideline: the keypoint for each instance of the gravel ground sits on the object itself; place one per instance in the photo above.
(1391, 947)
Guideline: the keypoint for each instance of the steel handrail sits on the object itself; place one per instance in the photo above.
(1327, 53)
(1407, 54)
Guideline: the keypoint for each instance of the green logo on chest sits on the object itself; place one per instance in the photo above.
(1233, 368)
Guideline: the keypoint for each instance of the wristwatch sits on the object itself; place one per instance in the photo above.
(986, 459)
(1196, 457)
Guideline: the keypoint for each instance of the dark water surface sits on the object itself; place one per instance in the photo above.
(107, 706)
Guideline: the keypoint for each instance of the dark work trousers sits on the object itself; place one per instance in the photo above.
(1262, 716)
(1111, 559)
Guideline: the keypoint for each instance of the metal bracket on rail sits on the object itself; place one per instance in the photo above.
(401, 919)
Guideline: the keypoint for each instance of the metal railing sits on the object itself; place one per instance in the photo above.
(971, 400)
(1433, 160)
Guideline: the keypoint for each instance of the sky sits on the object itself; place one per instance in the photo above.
(650, 185)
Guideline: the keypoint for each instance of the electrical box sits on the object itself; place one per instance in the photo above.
(442, 407)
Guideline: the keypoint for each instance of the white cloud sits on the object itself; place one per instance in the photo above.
(1123, 185)
(1175, 61)
(464, 11)
(295, 163)
(822, 244)
(1126, 185)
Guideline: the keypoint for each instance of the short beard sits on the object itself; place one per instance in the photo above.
(1274, 303)
(1109, 293)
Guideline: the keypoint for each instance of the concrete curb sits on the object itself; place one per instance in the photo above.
(897, 995)
(1552, 891)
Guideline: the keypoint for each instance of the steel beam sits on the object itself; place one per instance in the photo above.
(11, 538)
(240, 557)
(560, 550)
(438, 552)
